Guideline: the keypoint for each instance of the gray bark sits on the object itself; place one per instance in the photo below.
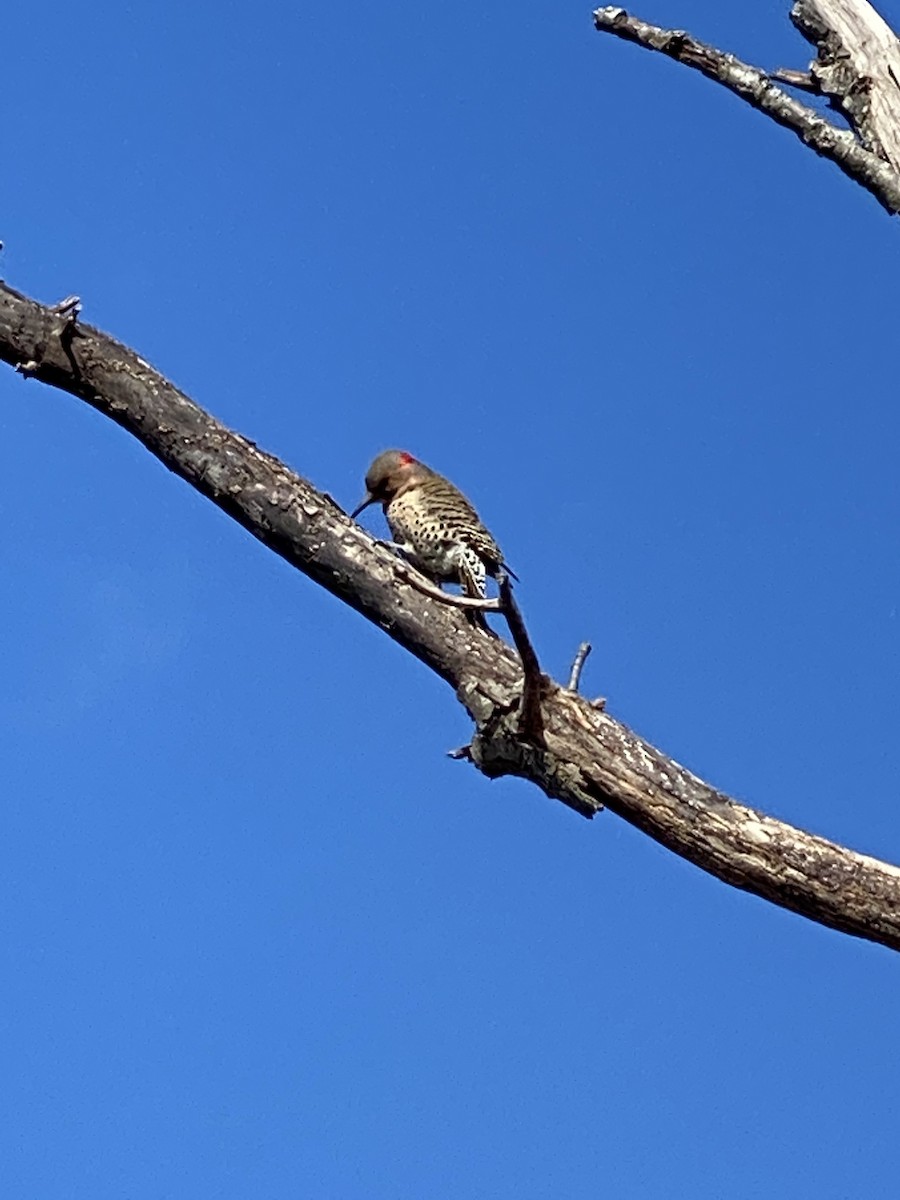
(850, 71)
(858, 67)
(575, 753)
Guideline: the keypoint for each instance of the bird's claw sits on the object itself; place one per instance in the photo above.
(69, 309)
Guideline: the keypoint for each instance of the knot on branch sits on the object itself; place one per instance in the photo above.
(502, 751)
(500, 747)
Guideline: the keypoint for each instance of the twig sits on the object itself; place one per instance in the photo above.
(796, 79)
(757, 88)
(531, 720)
(421, 584)
(578, 665)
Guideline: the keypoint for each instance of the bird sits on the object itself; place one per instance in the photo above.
(432, 523)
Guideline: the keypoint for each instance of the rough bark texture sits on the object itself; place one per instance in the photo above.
(576, 753)
(861, 160)
(858, 66)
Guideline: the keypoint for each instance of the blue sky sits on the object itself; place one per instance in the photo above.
(259, 936)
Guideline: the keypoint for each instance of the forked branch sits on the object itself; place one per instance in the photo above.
(759, 89)
(857, 66)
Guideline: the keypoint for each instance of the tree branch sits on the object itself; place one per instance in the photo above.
(858, 66)
(758, 89)
(473, 603)
(585, 758)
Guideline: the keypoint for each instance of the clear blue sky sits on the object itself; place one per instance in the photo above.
(259, 936)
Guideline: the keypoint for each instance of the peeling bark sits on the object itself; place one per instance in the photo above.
(582, 756)
(858, 67)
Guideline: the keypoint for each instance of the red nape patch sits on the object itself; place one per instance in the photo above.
(406, 458)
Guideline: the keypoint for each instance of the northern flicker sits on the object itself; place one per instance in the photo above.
(432, 522)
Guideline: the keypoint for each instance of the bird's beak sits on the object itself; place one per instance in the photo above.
(369, 499)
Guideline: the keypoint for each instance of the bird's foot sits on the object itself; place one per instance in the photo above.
(69, 309)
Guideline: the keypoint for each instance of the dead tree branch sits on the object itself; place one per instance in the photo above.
(858, 67)
(421, 584)
(758, 88)
(584, 758)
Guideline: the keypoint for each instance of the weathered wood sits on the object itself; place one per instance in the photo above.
(759, 89)
(858, 66)
(583, 757)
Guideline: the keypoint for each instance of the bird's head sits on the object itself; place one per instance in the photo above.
(388, 474)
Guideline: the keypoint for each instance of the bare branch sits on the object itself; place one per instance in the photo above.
(418, 581)
(584, 758)
(759, 90)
